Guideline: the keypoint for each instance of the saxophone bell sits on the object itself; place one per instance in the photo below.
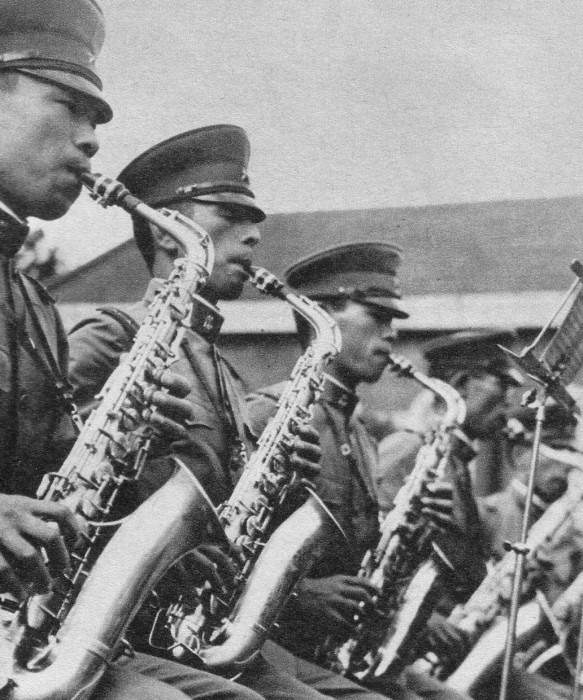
(228, 633)
(381, 632)
(57, 645)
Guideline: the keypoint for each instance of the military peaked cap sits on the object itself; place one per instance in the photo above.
(365, 272)
(57, 41)
(208, 164)
(472, 350)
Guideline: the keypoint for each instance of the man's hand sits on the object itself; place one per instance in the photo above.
(34, 537)
(445, 637)
(306, 453)
(437, 504)
(174, 410)
(335, 600)
(208, 562)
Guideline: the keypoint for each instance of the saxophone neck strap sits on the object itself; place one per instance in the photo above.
(339, 396)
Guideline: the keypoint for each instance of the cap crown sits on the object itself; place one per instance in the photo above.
(472, 350)
(364, 271)
(57, 40)
(208, 164)
(215, 156)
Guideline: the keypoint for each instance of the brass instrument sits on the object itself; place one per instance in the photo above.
(57, 645)
(405, 544)
(229, 632)
(484, 616)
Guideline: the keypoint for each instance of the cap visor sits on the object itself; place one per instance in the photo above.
(237, 198)
(387, 304)
(79, 84)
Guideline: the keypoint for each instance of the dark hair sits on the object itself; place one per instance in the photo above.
(144, 236)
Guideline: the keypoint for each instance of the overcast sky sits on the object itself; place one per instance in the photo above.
(348, 103)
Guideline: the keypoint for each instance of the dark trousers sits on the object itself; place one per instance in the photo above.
(150, 678)
(321, 682)
(409, 686)
(525, 686)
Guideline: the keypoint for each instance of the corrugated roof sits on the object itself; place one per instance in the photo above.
(454, 249)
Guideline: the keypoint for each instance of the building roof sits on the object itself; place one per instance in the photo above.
(457, 258)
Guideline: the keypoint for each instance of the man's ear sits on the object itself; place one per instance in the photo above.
(164, 241)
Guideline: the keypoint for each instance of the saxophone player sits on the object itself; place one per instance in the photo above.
(474, 365)
(203, 174)
(50, 105)
(555, 570)
(357, 284)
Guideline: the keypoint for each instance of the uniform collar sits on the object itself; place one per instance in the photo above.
(338, 395)
(205, 319)
(13, 231)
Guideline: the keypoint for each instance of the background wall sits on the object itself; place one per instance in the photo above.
(350, 104)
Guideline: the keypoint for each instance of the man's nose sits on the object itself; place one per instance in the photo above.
(390, 334)
(87, 140)
(250, 235)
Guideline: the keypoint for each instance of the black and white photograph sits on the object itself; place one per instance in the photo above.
(291, 350)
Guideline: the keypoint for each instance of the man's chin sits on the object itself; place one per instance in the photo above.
(53, 209)
(231, 292)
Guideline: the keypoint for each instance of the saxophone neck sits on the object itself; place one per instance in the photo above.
(455, 412)
(327, 341)
(197, 263)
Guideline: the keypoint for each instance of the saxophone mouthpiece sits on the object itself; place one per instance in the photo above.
(89, 179)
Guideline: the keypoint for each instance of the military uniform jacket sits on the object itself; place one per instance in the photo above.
(96, 345)
(36, 430)
(346, 486)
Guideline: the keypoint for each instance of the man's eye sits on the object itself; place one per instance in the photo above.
(70, 105)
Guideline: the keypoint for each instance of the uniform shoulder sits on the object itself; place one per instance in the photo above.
(121, 324)
(262, 405)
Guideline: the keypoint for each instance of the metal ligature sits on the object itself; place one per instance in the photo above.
(405, 545)
(227, 631)
(56, 646)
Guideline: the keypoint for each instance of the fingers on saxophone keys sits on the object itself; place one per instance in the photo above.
(166, 429)
(23, 564)
(9, 581)
(174, 383)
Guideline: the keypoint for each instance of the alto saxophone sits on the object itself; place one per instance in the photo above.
(229, 632)
(56, 646)
(484, 616)
(404, 545)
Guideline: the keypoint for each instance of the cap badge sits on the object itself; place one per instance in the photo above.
(18, 55)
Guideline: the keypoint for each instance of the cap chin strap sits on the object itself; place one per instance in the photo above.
(213, 188)
(9, 62)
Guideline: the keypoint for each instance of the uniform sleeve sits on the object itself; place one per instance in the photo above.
(95, 346)
(261, 407)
